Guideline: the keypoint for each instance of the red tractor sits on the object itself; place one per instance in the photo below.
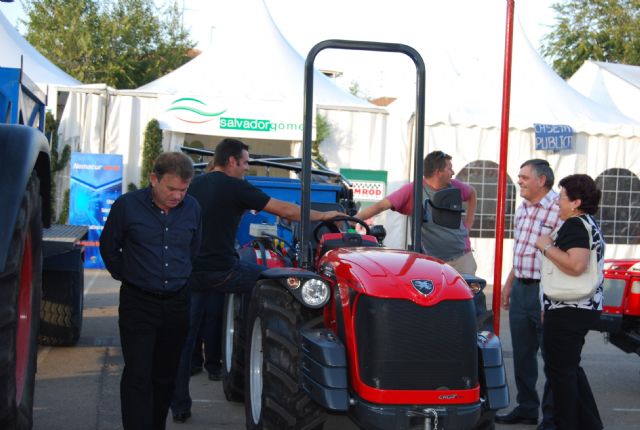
(620, 319)
(339, 323)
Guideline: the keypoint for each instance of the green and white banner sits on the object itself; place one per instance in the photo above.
(368, 185)
(230, 117)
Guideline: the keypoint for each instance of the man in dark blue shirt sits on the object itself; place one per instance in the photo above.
(224, 196)
(148, 243)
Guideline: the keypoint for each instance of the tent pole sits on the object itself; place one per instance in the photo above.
(502, 172)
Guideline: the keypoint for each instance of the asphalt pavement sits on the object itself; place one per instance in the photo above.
(78, 387)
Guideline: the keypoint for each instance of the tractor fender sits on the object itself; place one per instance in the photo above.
(285, 274)
(22, 149)
(492, 372)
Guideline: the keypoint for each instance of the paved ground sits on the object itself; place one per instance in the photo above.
(78, 387)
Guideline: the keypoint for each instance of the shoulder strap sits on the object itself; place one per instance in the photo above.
(588, 226)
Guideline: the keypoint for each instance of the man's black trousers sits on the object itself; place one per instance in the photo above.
(153, 329)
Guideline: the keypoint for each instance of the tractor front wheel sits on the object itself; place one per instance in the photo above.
(274, 398)
(20, 293)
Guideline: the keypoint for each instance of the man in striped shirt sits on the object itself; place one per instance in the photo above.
(536, 215)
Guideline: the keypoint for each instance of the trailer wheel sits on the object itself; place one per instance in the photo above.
(20, 292)
(233, 347)
(274, 398)
(61, 312)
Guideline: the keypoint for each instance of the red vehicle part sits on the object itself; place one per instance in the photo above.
(374, 280)
(620, 318)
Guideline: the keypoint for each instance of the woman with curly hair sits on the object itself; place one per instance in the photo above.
(566, 323)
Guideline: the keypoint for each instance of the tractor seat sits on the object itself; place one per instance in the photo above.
(331, 241)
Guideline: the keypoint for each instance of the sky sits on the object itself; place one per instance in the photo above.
(307, 22)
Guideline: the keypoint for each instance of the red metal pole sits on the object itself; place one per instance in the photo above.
(502, 172)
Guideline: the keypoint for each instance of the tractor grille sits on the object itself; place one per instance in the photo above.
(404, 346)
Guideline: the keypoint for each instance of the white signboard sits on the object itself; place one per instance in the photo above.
(230, 117)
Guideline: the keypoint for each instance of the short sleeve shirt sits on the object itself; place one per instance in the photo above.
(572, 234)
(532, 221)
(224, 199)
(402, 202)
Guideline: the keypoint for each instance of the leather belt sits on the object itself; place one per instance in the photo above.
(528, 281)
(157, 294)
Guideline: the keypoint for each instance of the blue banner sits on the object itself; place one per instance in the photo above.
(96, 182)
(551, 137)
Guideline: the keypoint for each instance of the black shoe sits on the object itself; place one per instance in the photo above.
(546, 426)
(181, 417)
(215, 374)
(514, 417)
(195, 370)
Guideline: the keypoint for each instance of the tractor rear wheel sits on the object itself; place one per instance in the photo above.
(233, 346)
(274, 398)
(20, 292)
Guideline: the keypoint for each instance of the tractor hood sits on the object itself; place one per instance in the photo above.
(390, 273)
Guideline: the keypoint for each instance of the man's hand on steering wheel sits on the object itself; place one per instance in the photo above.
(331, 226)
(329, 215)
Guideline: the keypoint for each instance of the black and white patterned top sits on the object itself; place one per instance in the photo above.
(573, 234)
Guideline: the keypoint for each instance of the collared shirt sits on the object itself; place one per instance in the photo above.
(147, 247)
(531, 221)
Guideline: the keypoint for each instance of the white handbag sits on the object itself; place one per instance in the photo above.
(559, 286)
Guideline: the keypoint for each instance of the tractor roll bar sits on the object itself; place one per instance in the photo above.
(305, 260)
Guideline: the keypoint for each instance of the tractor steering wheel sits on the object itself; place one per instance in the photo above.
(329, 225)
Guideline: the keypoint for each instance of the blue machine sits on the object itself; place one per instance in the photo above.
(282, 189)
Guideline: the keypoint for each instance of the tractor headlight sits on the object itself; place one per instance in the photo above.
(315, 293)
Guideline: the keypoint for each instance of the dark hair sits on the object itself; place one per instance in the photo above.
(582, 187)
(434, 161)
(541, 168)
(173, 163)
(228, 148)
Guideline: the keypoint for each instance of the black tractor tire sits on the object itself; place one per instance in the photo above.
(486, 421)
(61, 311)
(274, 398)
(20, 294)
(233, 339)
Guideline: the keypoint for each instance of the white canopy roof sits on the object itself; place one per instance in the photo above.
(248, 84)
(14, 48)
(465, 76)
(616, 86)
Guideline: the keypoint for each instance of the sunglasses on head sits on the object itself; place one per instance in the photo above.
(439, 155)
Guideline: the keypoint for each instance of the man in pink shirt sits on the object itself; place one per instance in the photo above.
(450, 245)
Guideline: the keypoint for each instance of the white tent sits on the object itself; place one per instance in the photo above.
(15, 52)
(616, 86)
(249, 84)
(463, 118)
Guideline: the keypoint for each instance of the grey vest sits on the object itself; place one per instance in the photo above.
(444, 243)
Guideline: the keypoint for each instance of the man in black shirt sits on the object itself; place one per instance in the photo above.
(224, 196)
(148, 243)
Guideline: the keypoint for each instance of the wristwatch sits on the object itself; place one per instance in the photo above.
(547, 246)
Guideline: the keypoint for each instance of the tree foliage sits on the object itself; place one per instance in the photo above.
(598, 30)
(151, 149)
(123, 43)
(323, 130)
(59, 161)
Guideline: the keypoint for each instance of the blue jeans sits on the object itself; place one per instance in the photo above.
(526, 339)
(207, 299)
